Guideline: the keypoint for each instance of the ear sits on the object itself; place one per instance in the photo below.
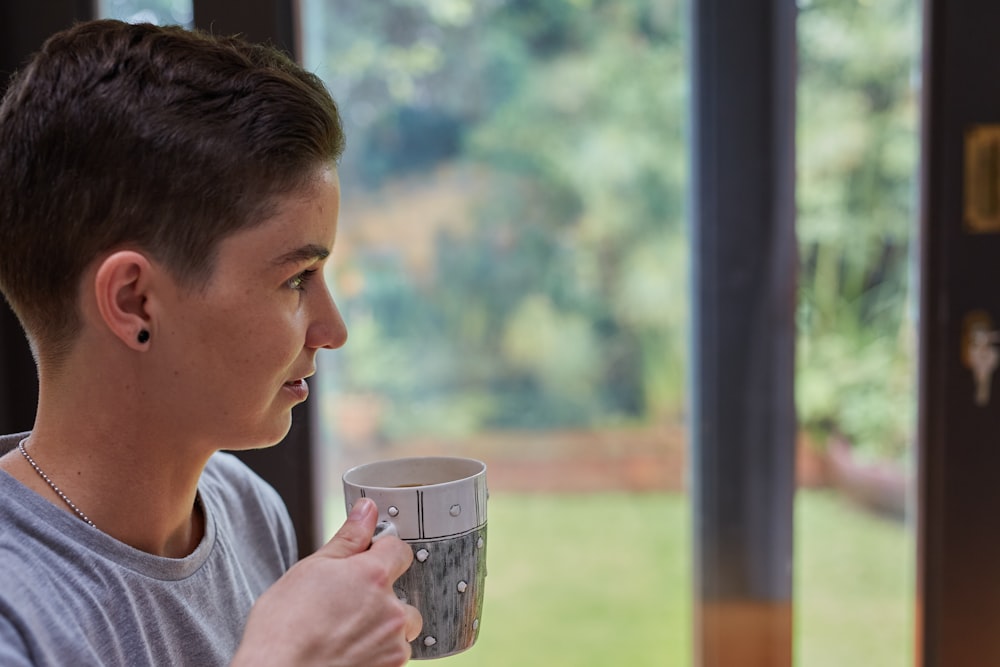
(121, 286)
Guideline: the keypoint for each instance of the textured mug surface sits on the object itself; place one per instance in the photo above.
(437, 505)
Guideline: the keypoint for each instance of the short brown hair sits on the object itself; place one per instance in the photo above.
(160, 138)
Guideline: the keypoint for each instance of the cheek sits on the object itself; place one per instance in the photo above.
(249, 335)
(261, 345)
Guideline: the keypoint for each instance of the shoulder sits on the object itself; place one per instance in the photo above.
(50, 572)
(227, 475)
(229, 480)
(9, 442)
(226, 470)
(244, 504)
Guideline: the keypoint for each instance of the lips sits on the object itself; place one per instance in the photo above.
(298, 388)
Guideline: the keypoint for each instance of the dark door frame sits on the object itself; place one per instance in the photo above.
(958, 595)
(744, 259)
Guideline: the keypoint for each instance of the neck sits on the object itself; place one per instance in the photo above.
(135, 480)
(136, 504)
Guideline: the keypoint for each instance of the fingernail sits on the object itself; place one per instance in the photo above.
(361, 509)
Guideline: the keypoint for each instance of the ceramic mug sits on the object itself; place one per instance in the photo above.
(437, 505)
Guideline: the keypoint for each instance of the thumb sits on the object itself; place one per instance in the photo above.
(355, 536)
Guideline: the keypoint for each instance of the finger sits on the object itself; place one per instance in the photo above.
(355, 536)
(414, 623)
(394, 553)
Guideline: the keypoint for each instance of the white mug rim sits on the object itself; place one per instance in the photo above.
(361, 468)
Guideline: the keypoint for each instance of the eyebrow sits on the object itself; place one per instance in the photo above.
(307, 253)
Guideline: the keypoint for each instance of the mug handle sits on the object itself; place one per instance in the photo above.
(383, 528)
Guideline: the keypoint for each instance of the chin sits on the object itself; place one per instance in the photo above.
(262, 437)
(281, 430)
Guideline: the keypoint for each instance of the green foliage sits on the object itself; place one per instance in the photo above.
(598, 124)
(857, 147)
(564, 297)
(563, 301)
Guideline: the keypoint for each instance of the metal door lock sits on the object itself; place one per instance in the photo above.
(979, 353)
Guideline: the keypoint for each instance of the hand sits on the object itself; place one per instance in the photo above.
(336, 608)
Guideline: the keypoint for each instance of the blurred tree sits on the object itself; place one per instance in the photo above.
(857, 165)
(562, 300)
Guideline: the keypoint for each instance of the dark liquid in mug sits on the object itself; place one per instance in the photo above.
(407, 486)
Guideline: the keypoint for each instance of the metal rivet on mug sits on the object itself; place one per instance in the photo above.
(455, 510)
(422, 555)
(462, 587)
(429, 641)
(393, 511)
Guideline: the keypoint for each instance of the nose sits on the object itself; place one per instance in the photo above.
(327, 328)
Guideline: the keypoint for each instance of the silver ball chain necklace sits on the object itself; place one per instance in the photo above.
(52, 484)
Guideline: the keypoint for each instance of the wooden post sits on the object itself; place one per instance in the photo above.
(743, 330)
(959, 417)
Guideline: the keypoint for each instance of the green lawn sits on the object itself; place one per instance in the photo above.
(854, 586)
(603, 580)
(587, 581)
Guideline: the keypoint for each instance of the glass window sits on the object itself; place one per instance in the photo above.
(857, 151)
(512, 266)
(160, 12)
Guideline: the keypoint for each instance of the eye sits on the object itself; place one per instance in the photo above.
(300, 280)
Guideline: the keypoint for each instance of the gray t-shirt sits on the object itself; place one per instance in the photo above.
(72, 595)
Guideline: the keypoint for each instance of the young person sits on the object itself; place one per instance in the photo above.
(168, 202)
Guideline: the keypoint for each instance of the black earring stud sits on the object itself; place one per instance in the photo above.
(143, 336)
